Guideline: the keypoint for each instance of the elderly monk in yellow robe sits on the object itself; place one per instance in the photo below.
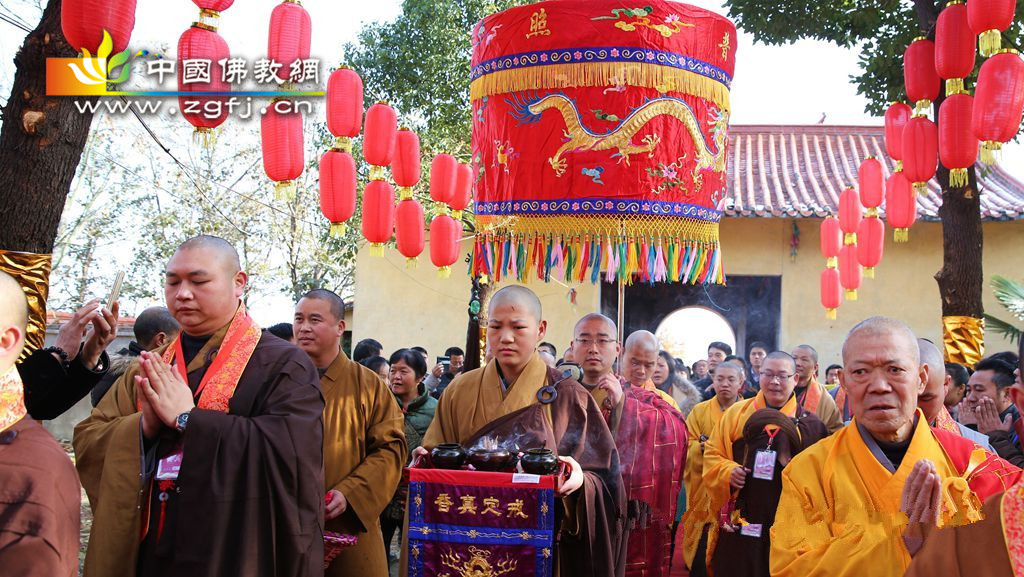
(512, 397)
(992, 547)
(364, 436)
(839, 514)
(811, 394)
(206, 457)
(699, 522)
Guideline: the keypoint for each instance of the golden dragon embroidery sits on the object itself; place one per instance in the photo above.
(620, 139)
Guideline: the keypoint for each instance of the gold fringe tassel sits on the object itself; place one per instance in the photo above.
(444, 272)
(851, 295)
(832, 262)
(285, 190)
(869, 272)
(376, 249)
(342, 144)
(338, 229)
(901, 235)
(205, 137)
(378, 172)
(457, 215)
(954, 86)
(412, 262)
(556, 76)
(921, 188)
(850, 238)
(990, 151)
(404, 193)
(958, 178)
(830, 314)
(899, 166)
(645, 226)
(989, 42)
(922, 106)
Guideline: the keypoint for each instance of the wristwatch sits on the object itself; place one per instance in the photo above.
(181, 422)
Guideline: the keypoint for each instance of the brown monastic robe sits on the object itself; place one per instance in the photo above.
(249, 498)
(593, 535)
(364, 451)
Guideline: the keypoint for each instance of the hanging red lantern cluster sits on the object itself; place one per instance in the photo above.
(378, 214)
(999, 102)
(849, 271)
(988, 19)
(920, 152)
(203, 45)
(444, 243)
(289, 38)
(409, 219)
(954, 46)
(379, 141)
(283, 150)
(83, 23)
(870, 231)
(896, 118)
(445, 173)
(380, 134)
(922, 81)
(958, 147)
(849, 215)
(872, 185)
(337, 166)
(831, 244)
(900, 206)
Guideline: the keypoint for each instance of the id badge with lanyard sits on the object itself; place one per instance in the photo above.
(764, 460)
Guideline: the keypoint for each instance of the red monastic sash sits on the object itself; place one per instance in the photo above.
(985, 473)
(811, 398)
(945, 422)
(1012, 513)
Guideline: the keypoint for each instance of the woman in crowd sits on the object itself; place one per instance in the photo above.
(668, 380)
(378, 365)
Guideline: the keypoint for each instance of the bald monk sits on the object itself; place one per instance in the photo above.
(639, 359)
(699, 523)
(840, 508)
(505, 398)
(39, 494)
(649, 434)
(811, 394)
(206, 457)
(932, 400)
(992, 547)
(364, 436)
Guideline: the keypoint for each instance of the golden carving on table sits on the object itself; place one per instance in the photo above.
(963, 339)
(32, 271)
(478, 564)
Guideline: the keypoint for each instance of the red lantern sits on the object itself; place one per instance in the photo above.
(344, 106)
(958, 147)
(999, 102)
(83, 23)
(444, 243)
(896, 118)
(337, 189)
(900, 206)
(923, 82)
(870, 244)
(988, 19)
(831, 292)
(849, 215)
(290, 31)
(200, 44)
(849, 271)
(443, 175)
(872, 184)
(379, 139)
(409, 233)
(954, 46)
(406, 165)
(920, 152)
(831, 239)
(378, 215)
(281, 135)
(463, 190)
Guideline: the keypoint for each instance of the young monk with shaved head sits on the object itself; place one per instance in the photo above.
(516, 394)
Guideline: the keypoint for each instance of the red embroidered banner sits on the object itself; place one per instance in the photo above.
(599, 140)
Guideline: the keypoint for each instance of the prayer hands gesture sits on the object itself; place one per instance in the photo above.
(968, 413)
(611, 384)
(738, 477)
(922, 494)
(163, 394)
(575, 480)
(335, 504)
(95, 324)
(987, 416)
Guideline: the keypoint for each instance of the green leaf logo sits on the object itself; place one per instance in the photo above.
(119, 59)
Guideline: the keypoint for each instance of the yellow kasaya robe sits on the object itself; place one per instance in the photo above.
(839, 514)
(650, 386)
(701, 422)
(364, 450)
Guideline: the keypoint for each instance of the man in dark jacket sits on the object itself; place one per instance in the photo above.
(154, 328)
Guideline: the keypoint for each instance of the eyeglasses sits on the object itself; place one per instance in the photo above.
(591, 342)
(772, 376)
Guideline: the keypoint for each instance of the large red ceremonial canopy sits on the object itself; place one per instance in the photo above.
(599, 140)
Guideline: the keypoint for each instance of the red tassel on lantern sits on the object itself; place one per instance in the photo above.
(988, 19)
(344, 107)
(443, 175)
(198, 43)
(954, 46)
(337, 189)
(896, 118)
(831, 292)
(923, 82)
(872, 184)
(290, 32)
(870, 244)
(999, 102)
(444, 243)
(283, 155)
(831, 240)
(379, 138)
(378, 215)
(409, 234)
(405, 167)
(849, 271)
(958, 147)
(920, 152)
(463, 190)
(849, 215)
(900, 206)
(83, 23)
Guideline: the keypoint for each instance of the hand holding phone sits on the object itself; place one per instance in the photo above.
(115, 291)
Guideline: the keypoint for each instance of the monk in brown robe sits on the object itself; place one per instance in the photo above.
(364, 437)
(517, 396)
(39, 494)
(206, 457)
(812, 395)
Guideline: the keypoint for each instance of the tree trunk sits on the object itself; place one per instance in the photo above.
(41, 143)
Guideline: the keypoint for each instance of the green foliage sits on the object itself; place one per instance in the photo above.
(1010, 294)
